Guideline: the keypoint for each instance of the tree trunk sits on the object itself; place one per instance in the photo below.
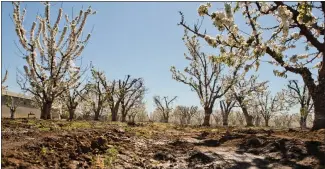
(225, 119)
(71, 113)
(248, 118)
(188, 121)
(12, 114)
(257, 121)
(266, 122)
(303, 122)
(114, 115)
(207, 114)
(123, 119)
(46, 110)
(319, 111)
(96, 117)
(123, 113)
(165, 120)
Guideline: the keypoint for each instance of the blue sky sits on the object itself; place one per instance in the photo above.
(137, 38)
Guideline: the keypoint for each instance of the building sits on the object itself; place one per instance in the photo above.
(25, 108)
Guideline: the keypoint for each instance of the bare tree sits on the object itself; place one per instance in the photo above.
(180, 112)
(185, 114)
(73, 97)
(138, 109)
(114, 89)
(296, 94)
(131, 96)
(204, 76)
(191, 113)
(200, 117)
(97, 95)
(163, 105)
(216, 117)
(268, 105)
(51, 54)
(243, 92)
(226, 106)
(240, 117)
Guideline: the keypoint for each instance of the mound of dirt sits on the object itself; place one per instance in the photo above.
(197, 157)
(164, 156)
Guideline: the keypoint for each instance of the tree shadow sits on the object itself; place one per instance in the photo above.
(313, 149)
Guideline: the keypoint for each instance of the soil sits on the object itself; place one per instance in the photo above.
(36, 144)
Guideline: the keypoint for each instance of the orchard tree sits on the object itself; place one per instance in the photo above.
(298, 94)
(193, 110)
(164, 106)
(255, 114)
(130, 96)
(116, 91)
(226, 107)
(239, 117)
(12, 103)
(269, 105)
(97, 96)
(180, 112)
(138, 110)
(295, 25)
(51, 53)
(185, 113)
(73, 97)
(205, 75)
(217, 117)
(200, 117)
(243, 91)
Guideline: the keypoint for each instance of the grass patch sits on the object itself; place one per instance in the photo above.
(44, 128)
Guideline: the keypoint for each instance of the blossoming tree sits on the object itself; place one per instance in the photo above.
(51, 53)
(205, 75)
(295, 24)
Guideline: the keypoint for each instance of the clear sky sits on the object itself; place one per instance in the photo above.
(137, 38)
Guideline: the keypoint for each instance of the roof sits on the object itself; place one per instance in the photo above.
(13, 94)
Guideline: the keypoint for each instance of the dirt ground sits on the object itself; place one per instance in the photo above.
(59, 144)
